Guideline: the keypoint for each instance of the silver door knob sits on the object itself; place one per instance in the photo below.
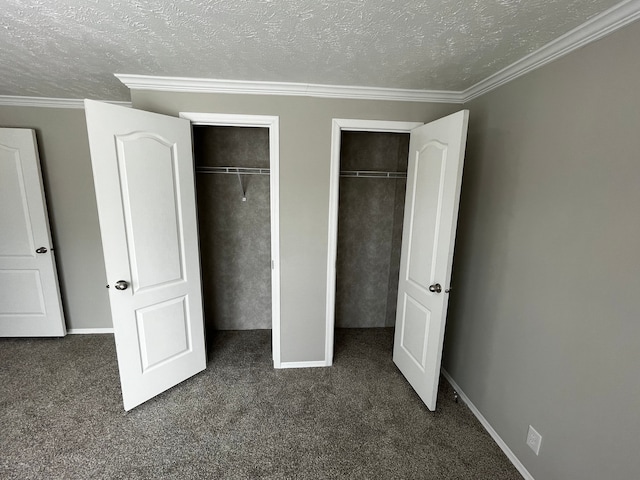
(121, 285)
(41, 250)
(435, 288)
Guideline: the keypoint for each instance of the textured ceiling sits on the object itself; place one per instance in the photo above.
(71, 48)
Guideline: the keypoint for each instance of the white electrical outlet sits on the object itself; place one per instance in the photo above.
(534, 439)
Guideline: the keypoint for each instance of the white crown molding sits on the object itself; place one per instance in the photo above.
(209, 85)
(16, 101)
(593, 29)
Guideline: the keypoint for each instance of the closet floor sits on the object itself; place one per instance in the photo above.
(62, 417)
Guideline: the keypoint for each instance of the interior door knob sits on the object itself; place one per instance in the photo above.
(121, 285)
(41, 250)
(435, 288)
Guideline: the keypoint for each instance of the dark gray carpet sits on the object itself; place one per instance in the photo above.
(61, 417)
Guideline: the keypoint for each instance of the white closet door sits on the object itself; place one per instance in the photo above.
(143, 174)
(434, 176)
(29, 295)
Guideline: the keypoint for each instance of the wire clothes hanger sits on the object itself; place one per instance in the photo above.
(239, 171)
(244, 193)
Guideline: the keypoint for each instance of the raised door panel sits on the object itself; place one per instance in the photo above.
(415, 331)
(163, 332)
(30, 301)
(152, 210)
(426, 204)
(16, 235)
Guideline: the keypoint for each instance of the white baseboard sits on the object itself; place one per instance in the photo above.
(507, 451)
(320, 363)
(88, 331)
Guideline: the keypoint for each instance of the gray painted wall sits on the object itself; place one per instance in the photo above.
(370, 215)
(305, 151)
(68, 181)
(544, 318)
(235, 236)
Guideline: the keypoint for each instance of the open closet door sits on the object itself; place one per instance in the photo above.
(434, 176)
(143, 174)
(29, 295)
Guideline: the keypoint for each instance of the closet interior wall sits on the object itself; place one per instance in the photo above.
(370, 216)
(235, 235)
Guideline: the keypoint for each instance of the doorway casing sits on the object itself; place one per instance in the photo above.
(338, 126)
(273, 124)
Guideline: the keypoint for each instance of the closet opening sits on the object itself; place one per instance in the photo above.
(369, 170)
(236, 165)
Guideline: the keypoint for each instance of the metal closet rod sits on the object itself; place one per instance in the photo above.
(372, 174)
(234, 170)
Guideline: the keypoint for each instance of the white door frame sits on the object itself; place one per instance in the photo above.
(273, 124)
(338, 126)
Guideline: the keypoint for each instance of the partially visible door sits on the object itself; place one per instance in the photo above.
(434, 176)
(143, 174)
(29, 294)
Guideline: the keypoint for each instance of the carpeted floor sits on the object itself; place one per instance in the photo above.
(61, 417)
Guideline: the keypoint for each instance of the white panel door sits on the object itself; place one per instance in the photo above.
(434, 176)
(143, 174)
(29, 294)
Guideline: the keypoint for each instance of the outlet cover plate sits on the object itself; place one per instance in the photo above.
(534, 439)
